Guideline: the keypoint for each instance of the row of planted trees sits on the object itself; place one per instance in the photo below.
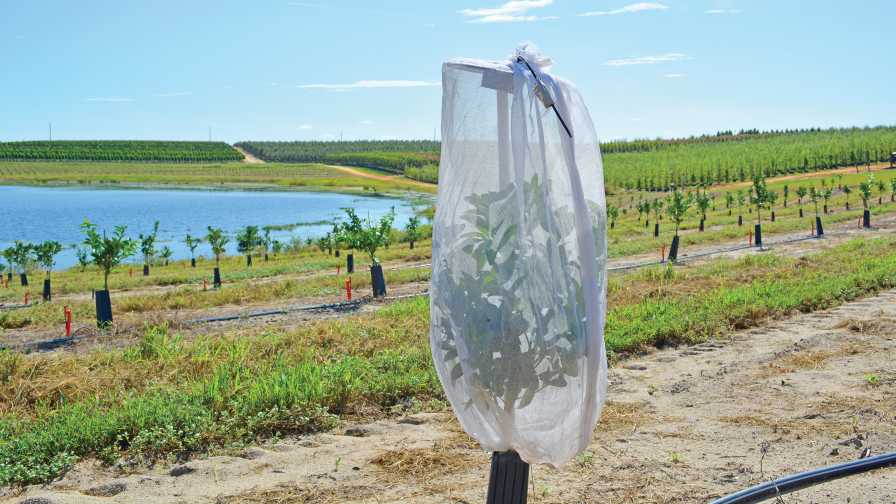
(759, 197)
(109, 250)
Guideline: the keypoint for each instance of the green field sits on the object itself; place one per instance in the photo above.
(119, 150)
(312, 177)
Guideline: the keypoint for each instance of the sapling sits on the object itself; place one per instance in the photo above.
(148, 247)
(846, 192)
(893, 189)
(657, 207)
(412, 231)
(703, 204)
(772, 199)
(218, 241)
(45, 254)
(191, 244)
(265, 241)
(612, 215)
(107, 252)
(23, 257)
(801, 193)
(165, 254)
(759, 198)
(679, 204)
(9, 255)
(865, 193)
(786, 194)
(741, 200)
(881, 189)
(815, 195)
(325, 243)
(826, 194)
(247, 240)
(729, 201)
(370, 236)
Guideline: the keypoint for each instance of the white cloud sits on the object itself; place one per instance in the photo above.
(674, 76)
(646, 60)
(305, 127)
(722, 11)
(372, 84)
(366, 122)
(516, 11)
(628, 9)
(173, 94)
(110, 99)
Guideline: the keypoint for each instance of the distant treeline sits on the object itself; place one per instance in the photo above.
(118, 150)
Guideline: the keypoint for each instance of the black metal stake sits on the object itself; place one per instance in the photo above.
(509, 479)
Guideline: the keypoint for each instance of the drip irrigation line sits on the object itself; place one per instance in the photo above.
(794, 482)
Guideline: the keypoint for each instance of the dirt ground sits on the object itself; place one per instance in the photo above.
(682, 425)
(248, 158)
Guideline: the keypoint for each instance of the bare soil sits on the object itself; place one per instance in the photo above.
(682, 425)
(248, 158)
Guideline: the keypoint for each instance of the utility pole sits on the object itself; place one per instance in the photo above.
(51, 131)
(209, 133)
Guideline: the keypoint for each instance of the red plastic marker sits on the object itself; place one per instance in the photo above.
(750, 235)
(205, 284)
(348, 289)
(338, 269)
(27, 295)
(663, 253)
(68, 321)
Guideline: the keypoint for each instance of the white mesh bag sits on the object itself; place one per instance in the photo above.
(518, 296)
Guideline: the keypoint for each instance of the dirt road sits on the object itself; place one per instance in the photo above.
(683, 425)
(248, 158)
(373, 176)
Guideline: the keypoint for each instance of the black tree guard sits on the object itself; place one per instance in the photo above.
(819, 229)
(866, 219)
(350, 263)
(673, 250)
(145, 270)
(758, 233)
(103, 308)
(378, 281)
(47, 294)
(193, 262)
(656, 230)
(23, 279)
(217, 278)
(509, 479)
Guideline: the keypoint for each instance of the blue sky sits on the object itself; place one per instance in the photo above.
(316, 69)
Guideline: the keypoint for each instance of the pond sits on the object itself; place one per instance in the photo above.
(36, 214)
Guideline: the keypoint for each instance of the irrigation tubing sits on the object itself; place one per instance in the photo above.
(794, 482)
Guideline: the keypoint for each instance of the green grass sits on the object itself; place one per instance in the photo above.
(312, 177)
(167, 396)
(120, 150)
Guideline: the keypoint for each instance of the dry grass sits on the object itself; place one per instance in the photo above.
(619, 415)
(879, 325)
(293, 494)
(805, 360)
(424, 465)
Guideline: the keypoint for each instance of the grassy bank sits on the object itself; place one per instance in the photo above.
(167, 396)
(312, 177)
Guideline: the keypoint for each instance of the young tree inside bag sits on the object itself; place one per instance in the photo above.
(519, 260)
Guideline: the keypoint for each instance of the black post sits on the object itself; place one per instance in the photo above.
(193, 262)
(217, 279)
(377, 280)
(412, 245)
(145, 270)
(47, 293)
(249, 260)
(773, 216)
(673, 250)
(758, 233)
(656, 229)
(23, 279)
(509, 479)
(350, 263)
(740, 220)
(103, 309)
(701, 225)
(801, 213)
(866, 219)
(819, 229)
